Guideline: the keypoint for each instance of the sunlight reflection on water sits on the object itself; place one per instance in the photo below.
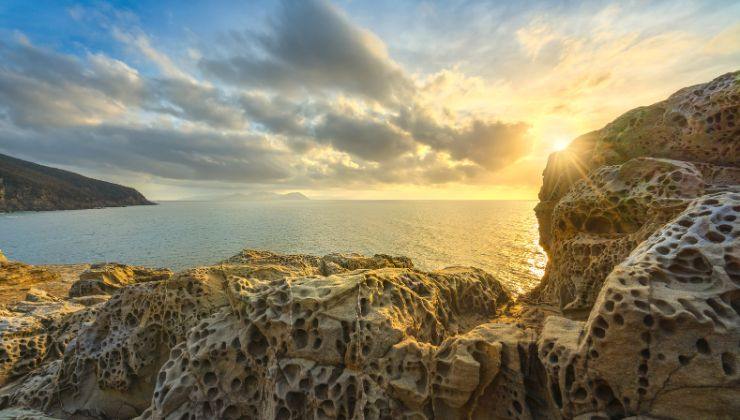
(498, 236)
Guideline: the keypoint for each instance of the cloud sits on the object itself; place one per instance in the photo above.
(193, 101)
(312, 46)
(163, 62)
(315, 101)
(363, 137)
(161, 152)
(275, 114)
(490, 144)
(40, 88)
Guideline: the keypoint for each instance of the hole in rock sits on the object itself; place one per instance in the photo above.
(728, 363)
(702, 346)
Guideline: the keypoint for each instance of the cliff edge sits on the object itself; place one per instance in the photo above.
(612, 188)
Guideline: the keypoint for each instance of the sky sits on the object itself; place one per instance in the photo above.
(342, 99)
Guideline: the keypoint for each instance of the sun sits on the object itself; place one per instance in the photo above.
(560, 144)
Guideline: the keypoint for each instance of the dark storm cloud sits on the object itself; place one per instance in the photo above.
(492, 145)
(311, 45)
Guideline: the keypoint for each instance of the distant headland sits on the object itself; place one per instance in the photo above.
(28, 186)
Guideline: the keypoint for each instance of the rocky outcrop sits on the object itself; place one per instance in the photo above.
(22, 414)
(368, 343)
(104, 279)
(614, 187)
(27, 186)
(13, 273)
(338, 334)
(662, 338)
(638, 315)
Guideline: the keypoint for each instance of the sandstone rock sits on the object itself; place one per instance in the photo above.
(101, 279)
(90, 300)
(22, 345)
(663, 337)
(23, 414)
(601, 219)
(368, 338)
(15, 273)
(270, 266)
(3, 259)
(612, 188)
(368, 343)
(38, 295)
(35, 331)
(111, 366)
(23, 284)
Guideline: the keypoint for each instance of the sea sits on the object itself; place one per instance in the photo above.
(497, 236)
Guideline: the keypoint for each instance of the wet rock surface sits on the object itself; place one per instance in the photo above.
(638, 315)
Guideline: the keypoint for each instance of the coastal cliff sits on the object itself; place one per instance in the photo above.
(638, 314)
(27, 186)
(612, 188)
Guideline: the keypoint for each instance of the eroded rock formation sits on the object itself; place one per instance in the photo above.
(104, 279)
(663, 335)
(640, 220)
(337, 335)
(614, 187)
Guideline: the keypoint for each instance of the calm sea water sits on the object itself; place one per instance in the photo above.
(497, 236)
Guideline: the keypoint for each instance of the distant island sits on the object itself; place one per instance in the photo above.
(28, 186)
(255, 196)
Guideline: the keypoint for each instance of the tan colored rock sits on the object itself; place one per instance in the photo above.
(613, 187)
(662, 339)
(267, 265)
(38, 295)
(101, 279)
(3, 259)
(17, 280)
(23, 414)
(360, 343)
(112, 364)
(16, 274)
(90, 300)
(33, 332)
(601, 219)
